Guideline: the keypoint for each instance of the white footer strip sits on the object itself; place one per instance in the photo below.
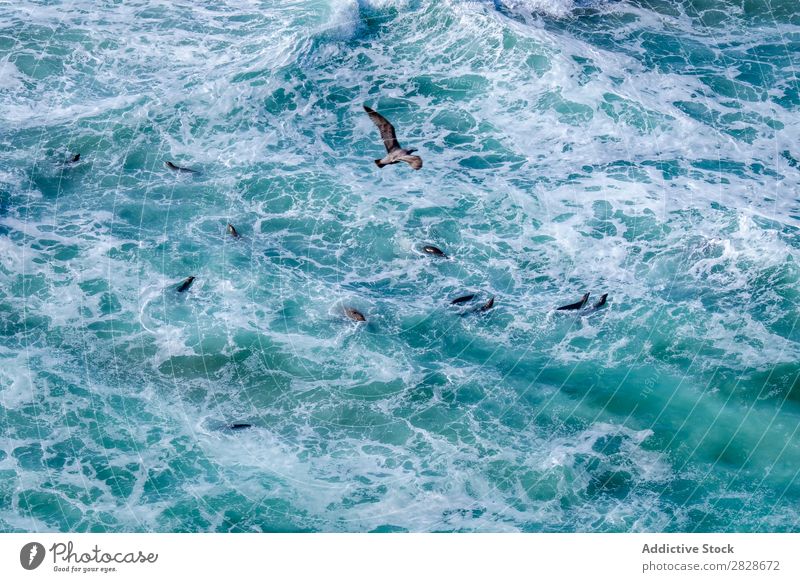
(400, 557)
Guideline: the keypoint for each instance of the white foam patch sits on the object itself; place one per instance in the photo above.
(16, 381)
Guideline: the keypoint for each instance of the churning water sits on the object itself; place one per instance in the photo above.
(647, 149)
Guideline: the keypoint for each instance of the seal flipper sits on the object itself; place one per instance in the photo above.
(487, 306)
(573, 306)
(600, 302)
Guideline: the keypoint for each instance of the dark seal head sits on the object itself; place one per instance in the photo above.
(74, 159)
(354, 314)
(573, 306)
(240, 426)
(488, 305)
(232, 231)
(184, 286)
(432, 250)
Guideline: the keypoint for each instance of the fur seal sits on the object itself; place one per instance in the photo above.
(175, 168)
(462, 299)
(394, 152)
(432, 250)
(184, 286)
(487, 306)
(240, 426)
(573, 306)
(598, 304)
(74, 159)
(232, 231)
(354, 314)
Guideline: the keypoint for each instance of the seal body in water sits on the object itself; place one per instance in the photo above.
(74, 159)
(462, 299)
(573, 306)
(394, 152)
(240, 426)
(435, 251)
(175, 168)
(184, 286)
(232, 231)
(354, 314)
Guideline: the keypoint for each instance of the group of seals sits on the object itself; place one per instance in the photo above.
(395, 154)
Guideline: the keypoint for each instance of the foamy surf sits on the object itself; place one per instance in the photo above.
(640, 149)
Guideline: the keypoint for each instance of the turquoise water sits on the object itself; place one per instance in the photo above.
(647, 149)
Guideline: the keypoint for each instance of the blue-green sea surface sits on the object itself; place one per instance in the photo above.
(648, 149)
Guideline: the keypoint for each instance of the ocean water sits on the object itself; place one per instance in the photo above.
(647, 149)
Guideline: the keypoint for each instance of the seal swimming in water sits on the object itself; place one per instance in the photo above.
(184, 286)
(482, 309)
(240, 426)
(354, 314)
(573, 306)
(175, 168)
(462, 299)
(74, 159)
(487, 306)
(394, 152)
(432, 250)
(232, 231)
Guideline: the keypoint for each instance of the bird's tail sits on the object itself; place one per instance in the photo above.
(379, 163)
(414, 161)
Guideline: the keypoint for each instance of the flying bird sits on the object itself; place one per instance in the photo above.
(394, 152)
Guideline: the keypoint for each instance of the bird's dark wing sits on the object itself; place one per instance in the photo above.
(387, 130)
